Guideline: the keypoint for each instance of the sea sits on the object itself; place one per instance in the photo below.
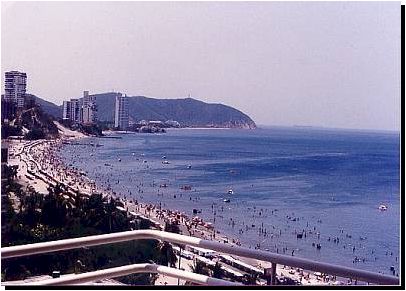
(266, 186)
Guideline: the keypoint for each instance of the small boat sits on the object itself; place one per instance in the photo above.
(133, 154)
(119, 160)
(166, 162)
(383, 207)
(230, 191)
(164, 157)
(189, 166)
(226, 200)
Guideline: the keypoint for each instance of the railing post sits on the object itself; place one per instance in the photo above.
(270, 274)
(180, 256)
(273, 274)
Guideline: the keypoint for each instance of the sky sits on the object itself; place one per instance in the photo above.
(330, 64)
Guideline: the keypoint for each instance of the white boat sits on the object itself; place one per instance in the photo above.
(383, 207)
(230, 191)
(226, 200)
(165, 162)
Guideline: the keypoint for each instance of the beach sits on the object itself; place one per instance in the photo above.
(44, 163)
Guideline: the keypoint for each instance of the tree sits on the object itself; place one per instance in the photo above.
(166, 254)
(10, 130)
(116, 219)
(94, 211)
(30, 206)
(9, 173)
(55, 208)
(35, 133)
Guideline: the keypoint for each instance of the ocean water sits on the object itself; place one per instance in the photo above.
(325, 183)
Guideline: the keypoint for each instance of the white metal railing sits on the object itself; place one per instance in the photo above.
(83, 278)
(341, 271)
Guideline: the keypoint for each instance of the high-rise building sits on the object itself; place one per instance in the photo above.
(121, 116)
(66, 110)
(89, 108)
(82, 110)
(75, 109)
(15, 88)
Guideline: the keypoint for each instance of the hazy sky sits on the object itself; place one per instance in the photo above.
(330, 64)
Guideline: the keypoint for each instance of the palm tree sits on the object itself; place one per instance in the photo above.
(78, 204)
(94, 211)
(56, 208)
(29, 207)
(117, 220)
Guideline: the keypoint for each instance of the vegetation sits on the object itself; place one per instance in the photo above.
(105, 125)
(40, 124)
(37, 218)
(34, 134)
(10, 130)
(91, 129)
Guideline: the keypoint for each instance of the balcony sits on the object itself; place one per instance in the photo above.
(273, 258)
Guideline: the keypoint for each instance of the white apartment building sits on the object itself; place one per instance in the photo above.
(66, 110)
(89, 108)
(82, 110)
(15, 87)
(121, 115)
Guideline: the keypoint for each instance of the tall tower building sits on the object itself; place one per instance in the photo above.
(75, 110)
(15, 88)
(121, 116)
(66, 110)
(89, 108)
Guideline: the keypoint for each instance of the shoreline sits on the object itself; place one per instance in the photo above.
(44, 159)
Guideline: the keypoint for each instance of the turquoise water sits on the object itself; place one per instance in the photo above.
(327, 184)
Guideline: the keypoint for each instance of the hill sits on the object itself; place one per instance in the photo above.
(187, 111)
(48, 107)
